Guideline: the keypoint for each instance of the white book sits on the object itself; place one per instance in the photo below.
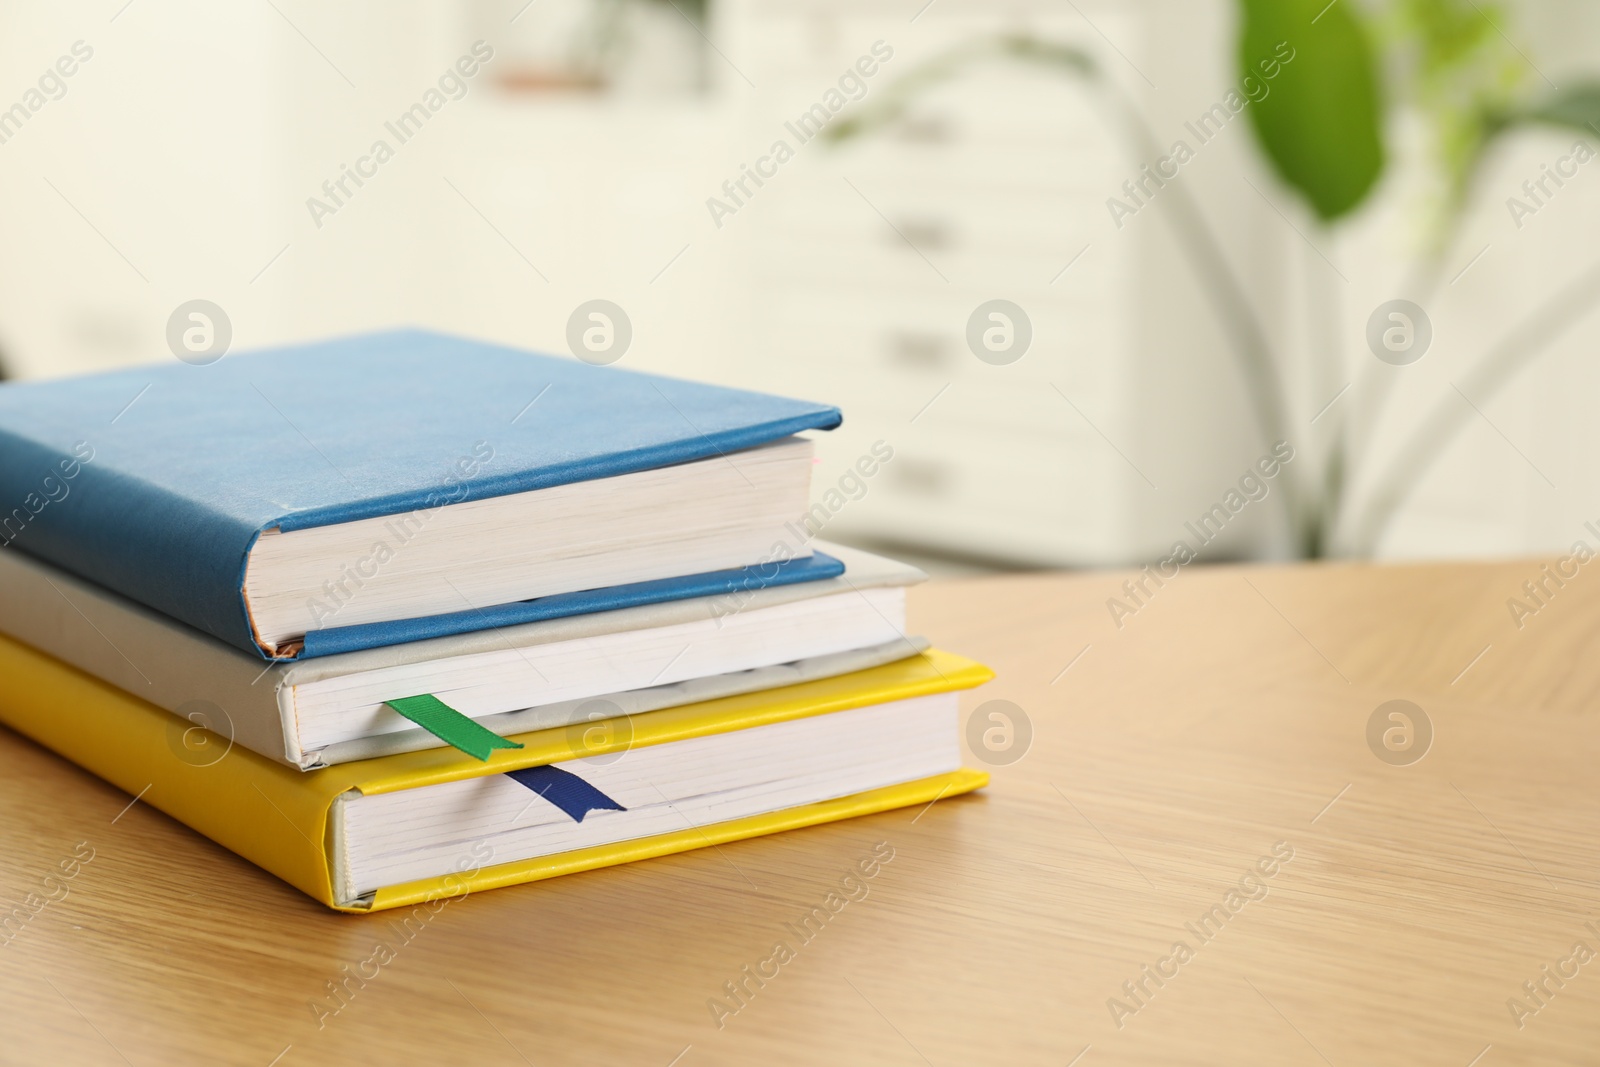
(383, 839)
(558, 672)
(689, 518)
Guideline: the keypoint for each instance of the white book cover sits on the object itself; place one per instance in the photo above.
(557, 672)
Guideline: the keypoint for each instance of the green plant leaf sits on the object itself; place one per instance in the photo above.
(1321, 121)
(1576, 107)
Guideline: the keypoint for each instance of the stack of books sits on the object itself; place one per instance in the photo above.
(404, 616)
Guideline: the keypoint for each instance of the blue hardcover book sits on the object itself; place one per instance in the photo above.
(391, 487)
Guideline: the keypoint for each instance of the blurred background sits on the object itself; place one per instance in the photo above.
(1159, 334)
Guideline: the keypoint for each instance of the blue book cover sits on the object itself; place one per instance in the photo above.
(156, 481)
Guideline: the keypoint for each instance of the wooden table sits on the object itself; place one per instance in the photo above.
(1169, 759)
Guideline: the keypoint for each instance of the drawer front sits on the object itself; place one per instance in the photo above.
(919, 342)
(965, 490)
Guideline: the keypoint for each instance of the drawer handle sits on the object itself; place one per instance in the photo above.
(925, 129)
(924, 234)
(921, 477)
(925, 351)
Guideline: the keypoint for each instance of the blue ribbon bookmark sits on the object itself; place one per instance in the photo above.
(565, 790)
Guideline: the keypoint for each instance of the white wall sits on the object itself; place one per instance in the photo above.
(182, 155)
(141, 187)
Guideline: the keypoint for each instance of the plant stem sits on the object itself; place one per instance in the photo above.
(1376, 385)
(1372, 391)
(1234, 312)
(1524, 341)
(1324, 351)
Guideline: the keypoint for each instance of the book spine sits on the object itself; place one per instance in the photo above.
(68, 504)
(143, 652)
(274, 816)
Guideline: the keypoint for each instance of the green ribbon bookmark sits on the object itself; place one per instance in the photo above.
(450, 726)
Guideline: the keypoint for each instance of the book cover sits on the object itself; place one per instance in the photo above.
(187, 672)
(157, 481)
(278, 818)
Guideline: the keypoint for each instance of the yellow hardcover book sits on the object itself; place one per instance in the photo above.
(304, 827)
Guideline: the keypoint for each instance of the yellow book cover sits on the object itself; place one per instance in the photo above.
(280, 818)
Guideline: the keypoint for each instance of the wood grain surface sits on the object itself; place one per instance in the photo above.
(1220, 729)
